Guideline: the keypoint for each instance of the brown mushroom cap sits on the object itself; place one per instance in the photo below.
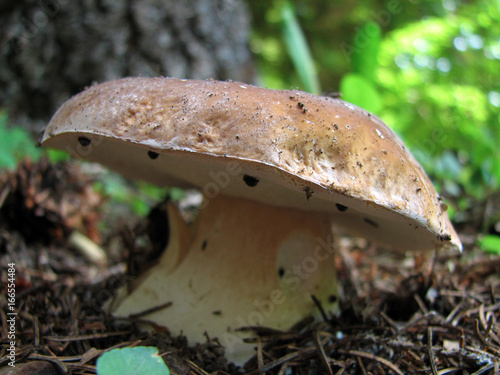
(285, 148)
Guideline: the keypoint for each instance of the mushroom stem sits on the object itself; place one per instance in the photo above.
(248, 264)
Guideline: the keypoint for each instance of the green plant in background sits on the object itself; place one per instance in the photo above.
(298, 48)
(15, 144)
(490, 244)
(440, 83)
(140, 360)
(140, 196)
(359, 86)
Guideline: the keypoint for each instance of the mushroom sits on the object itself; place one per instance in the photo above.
(277, 169)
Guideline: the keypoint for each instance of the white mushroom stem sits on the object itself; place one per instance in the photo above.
(248, 264)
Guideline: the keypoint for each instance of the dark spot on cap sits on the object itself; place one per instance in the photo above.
(153, 155)
(445, 237)
(309, 192)
(281, 272)
(250, 181)
(371, 222)
(302, 106)
(204, 245)
(332, 298)
(217, 312)
(341, 207)
(84, 141)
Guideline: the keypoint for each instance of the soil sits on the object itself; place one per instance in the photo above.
(436, 313)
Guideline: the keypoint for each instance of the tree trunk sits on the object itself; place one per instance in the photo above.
(52, 49)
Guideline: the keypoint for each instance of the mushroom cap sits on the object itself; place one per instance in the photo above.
(281, 147)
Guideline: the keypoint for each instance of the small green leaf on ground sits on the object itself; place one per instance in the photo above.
(140, 360)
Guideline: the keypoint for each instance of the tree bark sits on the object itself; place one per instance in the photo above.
(52, 49)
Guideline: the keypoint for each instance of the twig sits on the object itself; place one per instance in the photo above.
(151, 310)
(55, 360)
(3, 194)
(449, 370)
(322, 354)
(361, 365)
(391, 322)
(484, 342)
(430, 352)
(260, 359)
(421, 304)
(488, 325)
(317, 303)
(195, 368)
(36, 330)
(283, 368)
(375, 358)
(88, 248)
(484, 369)
(453, 313)
(417, 320)
(93, 336)
(280, 361)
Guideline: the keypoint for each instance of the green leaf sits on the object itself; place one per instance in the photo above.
(490, 244)
(365, 52)
(140, 360)
(15, 144)
(358, 90)
(298, 49)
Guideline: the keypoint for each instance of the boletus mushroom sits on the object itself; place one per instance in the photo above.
(277, 169)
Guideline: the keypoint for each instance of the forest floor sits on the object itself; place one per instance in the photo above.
(400, 313)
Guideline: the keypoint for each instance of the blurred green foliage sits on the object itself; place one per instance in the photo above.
(429, 68)
(15, 144)
(359, 86)
(298, 48)
(440, 78)
(490, 244)
(140, 196)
